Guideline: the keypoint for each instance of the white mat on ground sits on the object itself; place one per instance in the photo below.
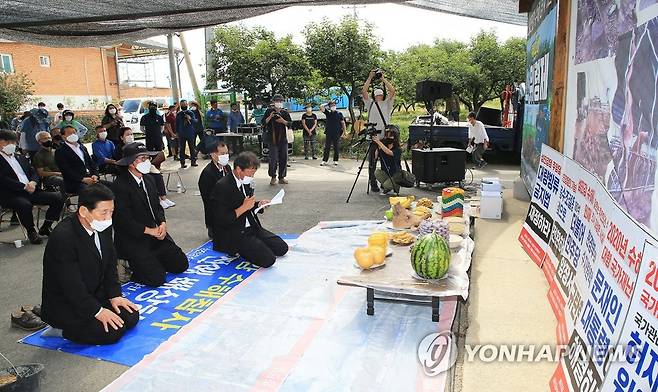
(292, 328)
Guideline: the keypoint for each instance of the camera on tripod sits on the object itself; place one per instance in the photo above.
(369, 130)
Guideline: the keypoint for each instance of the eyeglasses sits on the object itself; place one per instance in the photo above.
(143, 158)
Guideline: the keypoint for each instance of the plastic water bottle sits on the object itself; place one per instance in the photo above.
(179, 187)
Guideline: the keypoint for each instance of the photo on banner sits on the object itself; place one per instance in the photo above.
(612, 100)
(540, 50)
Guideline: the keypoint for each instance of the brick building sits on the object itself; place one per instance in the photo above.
(87, 78)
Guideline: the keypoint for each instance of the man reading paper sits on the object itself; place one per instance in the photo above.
(236, 228)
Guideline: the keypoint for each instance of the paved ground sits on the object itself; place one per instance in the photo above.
(315, 193)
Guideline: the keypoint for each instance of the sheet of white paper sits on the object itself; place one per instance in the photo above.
(278, 199)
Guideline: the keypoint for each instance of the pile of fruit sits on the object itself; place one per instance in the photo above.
(425, 202)
(402, 238)
(404, 201)
(423, 212)
(437, 226)
(374, 254)
(430, 256)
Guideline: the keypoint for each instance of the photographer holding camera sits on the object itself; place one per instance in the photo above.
(379, 112)
(276, 121)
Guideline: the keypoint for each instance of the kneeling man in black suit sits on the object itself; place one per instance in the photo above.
(81, 293)
(140, 229)
(236, 228)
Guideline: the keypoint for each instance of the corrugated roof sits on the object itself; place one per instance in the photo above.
(103, 22)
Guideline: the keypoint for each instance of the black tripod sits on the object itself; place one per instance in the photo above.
(371, 146)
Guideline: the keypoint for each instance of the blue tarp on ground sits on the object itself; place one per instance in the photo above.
(163, 310)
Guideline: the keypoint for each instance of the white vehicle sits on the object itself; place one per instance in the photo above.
(134, 108)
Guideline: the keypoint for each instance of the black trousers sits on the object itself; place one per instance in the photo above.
(331, 141)
(261, 247)
(150, 265)
(191, 144)
(159, 183)
(93, 332)
(372, 167)
(23, 204)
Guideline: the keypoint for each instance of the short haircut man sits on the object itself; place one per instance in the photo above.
(236, 228)
(214, 171)
(81, 294)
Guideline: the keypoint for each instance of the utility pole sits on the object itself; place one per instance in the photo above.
(190, 69)
(173, 75)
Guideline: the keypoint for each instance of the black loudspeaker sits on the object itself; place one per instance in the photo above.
(429, 90)
(438, 165)
(490, 116)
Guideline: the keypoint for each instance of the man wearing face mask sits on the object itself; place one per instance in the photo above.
(185, 128)
(77, 167)
(213, 172)
(334, 128)
(310, 124)
(140, 228)
(103, 150)
(44, 162)
(69, 121)
(258, 112)
(275, 123)
(19, 189)
(236, 228)
(216, 118)
(152, 125)
(81, 294)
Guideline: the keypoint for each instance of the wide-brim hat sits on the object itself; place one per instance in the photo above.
(131, 151)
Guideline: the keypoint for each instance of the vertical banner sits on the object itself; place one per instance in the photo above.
(536, 232)
(540, 50)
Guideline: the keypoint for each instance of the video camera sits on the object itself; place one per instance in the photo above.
(369, 130)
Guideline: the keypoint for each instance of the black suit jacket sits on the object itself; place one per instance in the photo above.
(132, 215)
(72, 168)
(207, 180)
(76, 280)
(10, 187)
(227, 228)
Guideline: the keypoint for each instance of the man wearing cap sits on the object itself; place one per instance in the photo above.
(379, 112)
(140, 229)
(275, 122)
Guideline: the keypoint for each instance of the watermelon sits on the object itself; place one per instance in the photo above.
(430, 256)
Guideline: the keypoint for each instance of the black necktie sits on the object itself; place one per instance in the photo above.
(148, 201)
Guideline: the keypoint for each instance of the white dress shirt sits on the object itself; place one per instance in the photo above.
(18, 169)
(77, 150)
(97, 242)
(238, 182)
(478, 132)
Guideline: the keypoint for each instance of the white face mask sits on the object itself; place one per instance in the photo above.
(278, 105)
(259, 106)
(112, 111)
(100, 225)
(68, 118)
(223, 159)
(128, 139)
(247, 180)
(9, 149)
(72, 138)
(144, 167)
(332, 108)
(103, 135)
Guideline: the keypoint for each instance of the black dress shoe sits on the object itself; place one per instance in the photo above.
(45, 230)
(34, 238)
(183, 166)
(195, 164)
(27, 321)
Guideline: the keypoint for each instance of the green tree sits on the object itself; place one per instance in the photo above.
(15, 90)
(344, 53)
(255, 61)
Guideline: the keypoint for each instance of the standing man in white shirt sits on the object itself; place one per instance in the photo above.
(19, 189)
(379, 112)
(478, 139)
